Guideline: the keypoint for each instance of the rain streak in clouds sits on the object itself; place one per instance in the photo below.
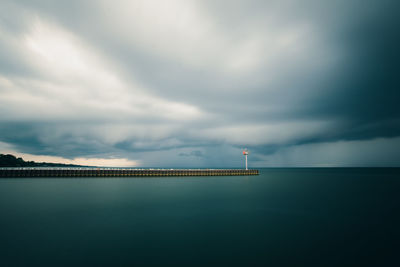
(184, 83)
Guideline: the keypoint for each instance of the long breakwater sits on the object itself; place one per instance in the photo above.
(119, 172)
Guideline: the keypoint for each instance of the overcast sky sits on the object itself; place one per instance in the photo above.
(184, 83)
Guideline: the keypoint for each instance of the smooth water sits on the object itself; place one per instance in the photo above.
(283, 217)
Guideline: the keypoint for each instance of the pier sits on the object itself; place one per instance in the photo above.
(119, 172)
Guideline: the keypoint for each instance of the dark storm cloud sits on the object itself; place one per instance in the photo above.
(266, 75)
(365, 88)
(194, 153)
(40, 138)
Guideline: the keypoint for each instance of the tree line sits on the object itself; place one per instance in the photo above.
(8, 160)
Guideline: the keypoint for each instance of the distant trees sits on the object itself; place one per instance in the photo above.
(12, 161)
(8, 160)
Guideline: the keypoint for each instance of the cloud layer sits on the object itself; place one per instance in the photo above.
(191, 83)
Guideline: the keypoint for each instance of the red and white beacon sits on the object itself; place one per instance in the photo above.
(245, 153)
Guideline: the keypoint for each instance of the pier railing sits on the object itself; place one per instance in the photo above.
(119, 172)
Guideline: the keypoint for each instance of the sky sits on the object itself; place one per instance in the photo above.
(185, 83)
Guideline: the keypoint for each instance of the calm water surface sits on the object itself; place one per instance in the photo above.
(283, 217)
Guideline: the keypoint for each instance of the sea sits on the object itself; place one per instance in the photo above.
(282, 217)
